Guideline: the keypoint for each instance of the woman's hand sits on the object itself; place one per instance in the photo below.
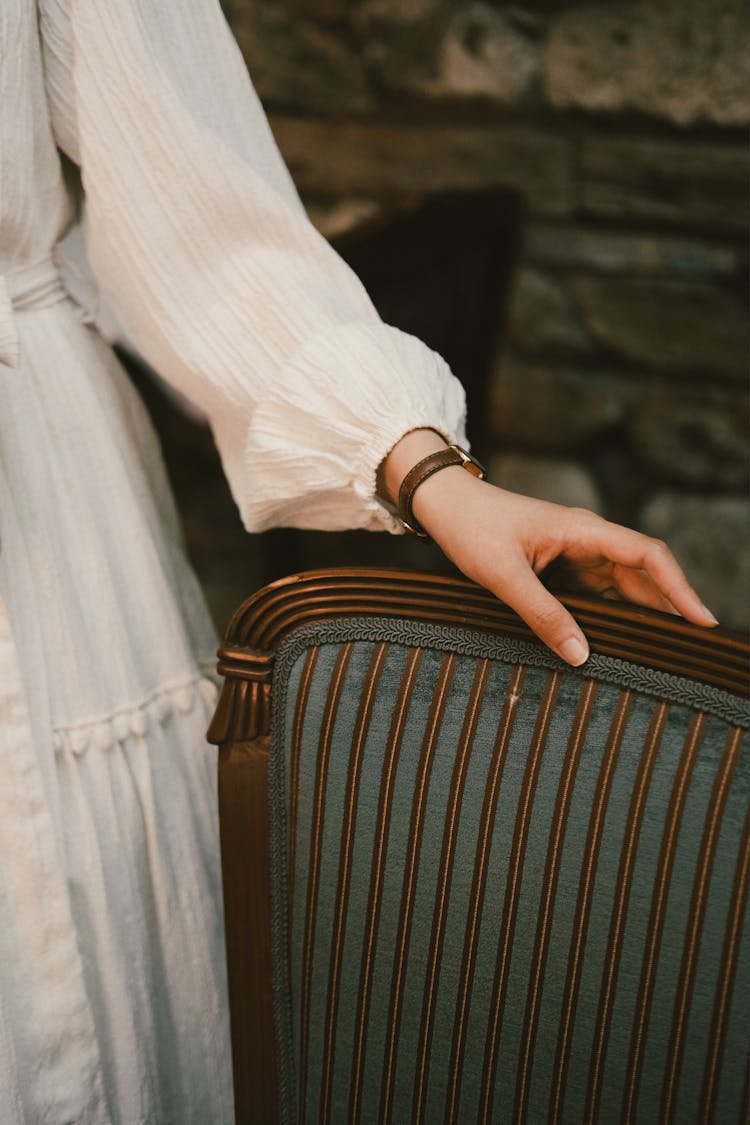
(504, 541)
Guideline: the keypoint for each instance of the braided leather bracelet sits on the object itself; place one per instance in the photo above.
(453, 455)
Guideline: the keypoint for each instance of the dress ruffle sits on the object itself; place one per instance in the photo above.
(106, 731)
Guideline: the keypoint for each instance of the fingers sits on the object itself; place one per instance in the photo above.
(639, 552)
(520, 588)
(638, 587)
(621, 582)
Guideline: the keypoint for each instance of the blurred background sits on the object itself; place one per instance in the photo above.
(553, 195)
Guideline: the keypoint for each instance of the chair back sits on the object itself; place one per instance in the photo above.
(465, 883)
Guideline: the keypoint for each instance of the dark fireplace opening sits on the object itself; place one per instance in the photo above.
(441, 272)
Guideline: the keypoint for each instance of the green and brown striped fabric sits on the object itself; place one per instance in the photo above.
(504, 891)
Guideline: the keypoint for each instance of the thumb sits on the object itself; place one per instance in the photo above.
(543, 613)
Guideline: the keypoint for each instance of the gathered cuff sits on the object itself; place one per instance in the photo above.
(312, 452)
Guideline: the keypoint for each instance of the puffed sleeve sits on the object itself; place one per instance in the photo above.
(199, 240)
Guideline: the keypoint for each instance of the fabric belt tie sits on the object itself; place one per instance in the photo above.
(32, 287)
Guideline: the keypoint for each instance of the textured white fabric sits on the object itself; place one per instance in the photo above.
(113, 1005)
(111, 968)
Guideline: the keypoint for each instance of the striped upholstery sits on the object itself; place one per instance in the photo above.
(503, 890)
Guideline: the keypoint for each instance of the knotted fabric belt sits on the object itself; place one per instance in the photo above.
(32, 287)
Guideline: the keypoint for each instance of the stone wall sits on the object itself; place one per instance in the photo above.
(619, 379)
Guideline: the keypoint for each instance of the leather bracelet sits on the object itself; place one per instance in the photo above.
(444, 459)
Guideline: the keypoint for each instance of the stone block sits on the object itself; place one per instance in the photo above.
(684, 61)
(544, 319)
(695, 439)
(373, 14)
(477, 54)
(299, 62)
(380, 159)
(560, 482)
(710, 536)
(665, 325)
(323, 11)
(574, 247)
(539, 407)
(691, 183)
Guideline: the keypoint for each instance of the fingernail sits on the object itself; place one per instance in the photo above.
(709, 615)
(575, 652)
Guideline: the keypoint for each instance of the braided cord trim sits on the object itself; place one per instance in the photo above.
(515, 650)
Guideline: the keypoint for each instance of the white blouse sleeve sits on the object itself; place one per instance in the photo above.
(199, 240)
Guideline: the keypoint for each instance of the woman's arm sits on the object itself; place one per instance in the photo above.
(503, 541)
(199, 239)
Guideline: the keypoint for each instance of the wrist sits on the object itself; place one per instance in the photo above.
(452, 457)
(439, 496)
(404, 455)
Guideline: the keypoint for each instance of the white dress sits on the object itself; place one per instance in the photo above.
(112, 995)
